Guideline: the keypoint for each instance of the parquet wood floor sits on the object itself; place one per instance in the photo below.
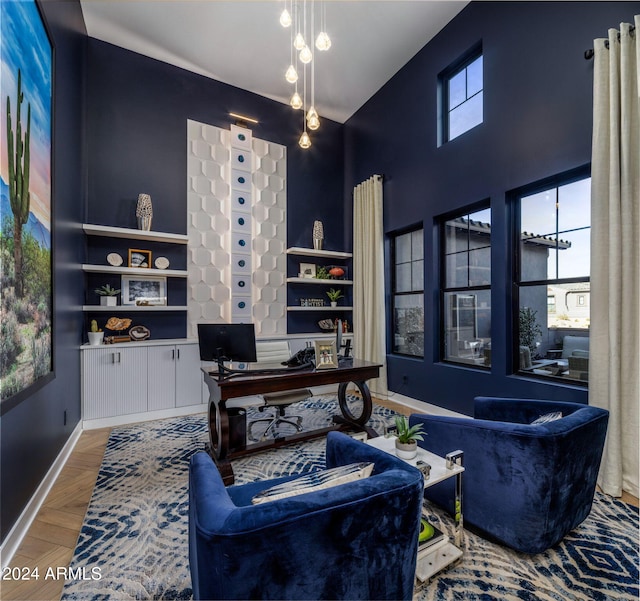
(52, 537)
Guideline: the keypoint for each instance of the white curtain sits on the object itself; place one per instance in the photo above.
(369, 318)
(614, 380)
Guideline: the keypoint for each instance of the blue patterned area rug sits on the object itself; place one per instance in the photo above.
(135, 529)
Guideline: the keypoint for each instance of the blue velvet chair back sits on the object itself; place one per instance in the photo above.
(524, 485)
(354, 541)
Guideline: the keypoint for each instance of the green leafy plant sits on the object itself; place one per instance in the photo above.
(408, 434)
(322, 273)
(530, 331)
(107, 290)
(334, 294)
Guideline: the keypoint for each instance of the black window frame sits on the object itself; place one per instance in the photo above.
(394, 293)
(553, 182)
(443, 83)
(444, 290)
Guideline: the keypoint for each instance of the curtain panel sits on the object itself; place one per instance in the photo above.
(614, 371)
(369, 317)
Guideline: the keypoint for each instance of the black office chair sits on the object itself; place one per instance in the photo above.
(275, 353)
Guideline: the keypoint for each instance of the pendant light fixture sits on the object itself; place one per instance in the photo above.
(296, 18)
(323, 41)
(305, 140)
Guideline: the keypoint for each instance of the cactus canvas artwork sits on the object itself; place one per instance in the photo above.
(25, 200)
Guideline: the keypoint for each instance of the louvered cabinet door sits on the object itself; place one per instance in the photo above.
(162, 377)
(114, 381)
(189, 378)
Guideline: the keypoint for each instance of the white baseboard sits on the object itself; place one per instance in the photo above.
(146, 416)
(21, 527)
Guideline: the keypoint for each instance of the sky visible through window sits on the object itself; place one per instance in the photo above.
(562, 213)
(465, 92)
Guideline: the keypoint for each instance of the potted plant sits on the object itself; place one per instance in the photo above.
(107, 295)
(334, 295)
(95, 334)
(407, 438)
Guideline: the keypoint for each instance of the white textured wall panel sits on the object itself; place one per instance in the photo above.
(236, 193)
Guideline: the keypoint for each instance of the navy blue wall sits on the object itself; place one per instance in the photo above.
(537, 123)
(137, 141)
(34, 431)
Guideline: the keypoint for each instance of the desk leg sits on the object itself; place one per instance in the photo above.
(219, 432)
(348, 417)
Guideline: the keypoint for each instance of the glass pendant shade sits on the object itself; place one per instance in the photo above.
(296, 101)
(285, 18)
(323, 41)
(305, 140)
(313, 122)
(306, 55)
(291, 75)
(298, 42)
(311, 113)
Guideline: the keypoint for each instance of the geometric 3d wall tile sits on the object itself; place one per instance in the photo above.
(236, 200)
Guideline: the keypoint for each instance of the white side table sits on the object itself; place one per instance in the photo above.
(443, 553)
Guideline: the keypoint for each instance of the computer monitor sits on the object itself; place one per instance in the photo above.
(227, 342)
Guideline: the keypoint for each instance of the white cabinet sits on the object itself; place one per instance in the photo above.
(175, 379)
(114, 381)
(140, 377)
(190, 387)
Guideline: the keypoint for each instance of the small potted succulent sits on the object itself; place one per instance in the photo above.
(107, 295)
(334, 295)
(407, 438)
(95, 334)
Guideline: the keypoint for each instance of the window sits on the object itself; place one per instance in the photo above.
(553, 230)
(466, 288)
(408, 293)
(462, 90)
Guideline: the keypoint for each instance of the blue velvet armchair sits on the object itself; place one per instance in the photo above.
(354, 541)
(524, 485)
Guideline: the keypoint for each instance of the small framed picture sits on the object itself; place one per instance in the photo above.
(307, 270)
(142, 290)
(326, 356)
(139, 258)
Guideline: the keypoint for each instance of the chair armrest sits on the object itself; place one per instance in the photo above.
(519, 411)
(342, 450)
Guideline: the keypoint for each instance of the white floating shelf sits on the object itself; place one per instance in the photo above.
(327, 282)
(150, 272)
(132, 308)
(312, 252)
(316, 309)
(131, 234)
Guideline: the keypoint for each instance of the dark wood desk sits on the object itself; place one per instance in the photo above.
(223, 389)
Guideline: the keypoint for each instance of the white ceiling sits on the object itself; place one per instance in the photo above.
(242, 43)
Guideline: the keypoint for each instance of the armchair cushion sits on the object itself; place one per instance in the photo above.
(571, 344)
(354, 541)
(525, 485)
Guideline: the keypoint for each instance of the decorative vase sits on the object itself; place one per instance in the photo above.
(318, 235)
(95, 338)
(334, 303)
(144, 212)
(406, 450)
(108, 301)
